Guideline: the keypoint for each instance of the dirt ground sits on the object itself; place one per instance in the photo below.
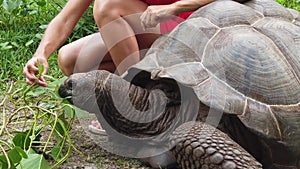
(90, 155)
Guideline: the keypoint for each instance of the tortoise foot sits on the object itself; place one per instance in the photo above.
(198, 145)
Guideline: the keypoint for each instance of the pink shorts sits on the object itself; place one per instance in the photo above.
(169, 25)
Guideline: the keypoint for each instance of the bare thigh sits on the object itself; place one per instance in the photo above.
(112, 28)
(85, 54)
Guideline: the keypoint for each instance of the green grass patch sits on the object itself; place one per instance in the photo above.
(22, 24)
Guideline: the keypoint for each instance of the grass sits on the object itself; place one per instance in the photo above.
(21, 29)
(40, 110)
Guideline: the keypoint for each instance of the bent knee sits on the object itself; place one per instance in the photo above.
(106, 8)
(66, 60)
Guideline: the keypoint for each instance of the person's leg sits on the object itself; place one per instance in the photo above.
(118, 23)
(86, 54)
(119, 37)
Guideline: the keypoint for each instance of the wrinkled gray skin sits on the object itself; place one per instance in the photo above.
(193, 145)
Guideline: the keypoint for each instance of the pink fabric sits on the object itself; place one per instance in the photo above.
(169, 25)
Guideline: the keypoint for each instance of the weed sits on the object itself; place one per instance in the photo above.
(35, 126)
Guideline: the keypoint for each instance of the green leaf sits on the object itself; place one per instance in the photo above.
(21, 152)
(29, 43)
(35, 93)
(43, 26)
(5, 46)
(40, 68)
(56, 153)
(81, 113)
(47, 105)
(3, 162)
(30, 151)
(19, 140)
(15, 44)
(69, 112)
(39, 36)
(3, 165)
(41, 3)
(60, 128)
(23, 139)
(57, 82)
(34, 161)
(10, 5)
(14, 156)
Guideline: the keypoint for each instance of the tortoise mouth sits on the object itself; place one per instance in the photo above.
(65, 90)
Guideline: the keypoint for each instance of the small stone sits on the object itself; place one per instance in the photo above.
(216, 158)
(229, 165)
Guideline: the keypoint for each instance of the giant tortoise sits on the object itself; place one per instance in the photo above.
(230, 66)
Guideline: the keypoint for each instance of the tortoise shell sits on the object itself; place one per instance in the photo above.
(243, 59)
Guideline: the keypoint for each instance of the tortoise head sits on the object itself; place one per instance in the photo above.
(80, 89)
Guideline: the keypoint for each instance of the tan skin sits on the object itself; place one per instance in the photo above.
(126, 27)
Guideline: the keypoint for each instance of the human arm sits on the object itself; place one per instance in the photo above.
(55, 35)
(155, 14)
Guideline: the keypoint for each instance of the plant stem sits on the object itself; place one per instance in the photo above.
(5, 154)
(3, 103)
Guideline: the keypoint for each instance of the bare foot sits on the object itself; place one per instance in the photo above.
(96, 128)
(96, 124)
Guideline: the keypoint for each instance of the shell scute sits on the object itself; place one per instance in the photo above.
(270, 9)
(248, 60)
(233, 14)
(260, 118)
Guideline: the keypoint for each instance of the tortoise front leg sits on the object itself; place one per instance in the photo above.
(198, 145)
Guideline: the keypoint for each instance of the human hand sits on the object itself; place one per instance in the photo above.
(31, 71)
(155, 14)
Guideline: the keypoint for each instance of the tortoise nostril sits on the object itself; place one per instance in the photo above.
(71, 84)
